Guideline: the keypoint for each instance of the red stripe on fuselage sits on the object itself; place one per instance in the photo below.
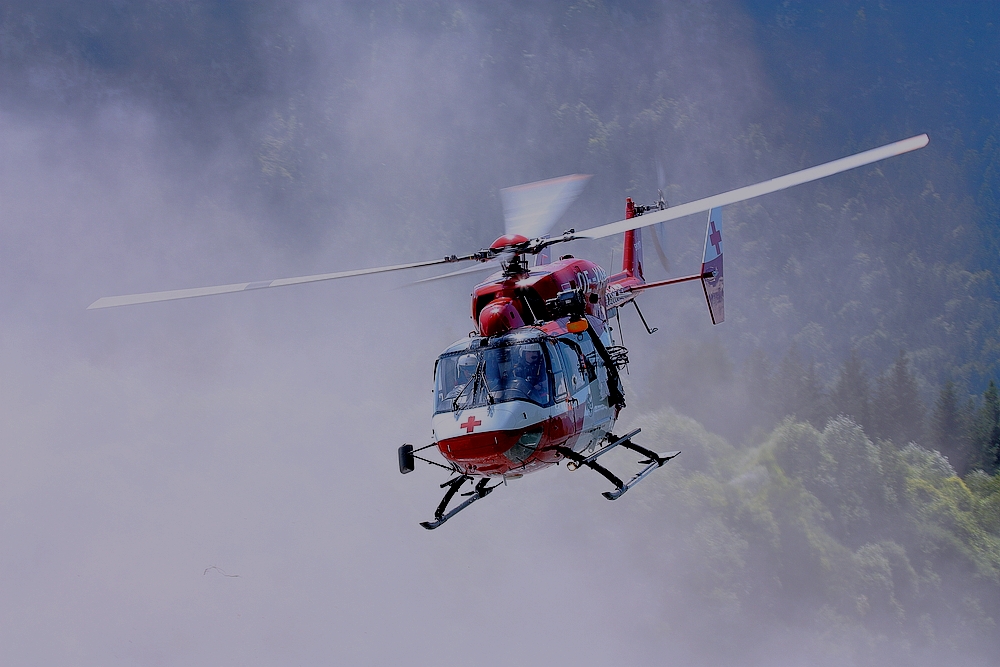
(489, 452)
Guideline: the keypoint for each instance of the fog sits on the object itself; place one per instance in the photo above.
(214, 481)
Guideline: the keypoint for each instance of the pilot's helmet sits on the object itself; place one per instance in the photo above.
(531, 355)
(467, 365)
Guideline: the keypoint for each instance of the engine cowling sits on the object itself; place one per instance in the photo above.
(499, 316)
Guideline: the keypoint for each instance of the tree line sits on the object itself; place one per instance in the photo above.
(865, 547)
(963, 428)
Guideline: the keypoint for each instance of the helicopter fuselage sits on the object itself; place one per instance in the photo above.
(513, 402)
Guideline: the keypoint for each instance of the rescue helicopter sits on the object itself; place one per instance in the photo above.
(537, 382)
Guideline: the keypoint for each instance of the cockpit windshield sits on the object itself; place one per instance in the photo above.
(507, 371)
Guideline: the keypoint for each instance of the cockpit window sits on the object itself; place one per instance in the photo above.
(517, 372)
(508, 371)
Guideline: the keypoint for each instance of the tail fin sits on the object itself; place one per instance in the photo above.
(711, 267)
(544, 256)
(632, 252)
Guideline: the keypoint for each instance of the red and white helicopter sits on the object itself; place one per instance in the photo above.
(537, 382)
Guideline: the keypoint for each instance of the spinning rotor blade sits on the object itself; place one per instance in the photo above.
(170, 295)
(529, 210)
(659, 232)
(533, 208)
(758, 189)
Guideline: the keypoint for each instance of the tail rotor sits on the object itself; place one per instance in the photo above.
(659, 234)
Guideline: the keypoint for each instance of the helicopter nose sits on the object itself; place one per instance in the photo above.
(479, 446)
(495, 452)
(499, 439)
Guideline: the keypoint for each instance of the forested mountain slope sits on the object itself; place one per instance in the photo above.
(866, 550)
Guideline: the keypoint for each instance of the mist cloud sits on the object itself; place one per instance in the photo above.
(149, 452)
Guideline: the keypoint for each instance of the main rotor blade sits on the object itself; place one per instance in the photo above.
(491, 265)
(533, 208)
(758, 189)
(170, 295)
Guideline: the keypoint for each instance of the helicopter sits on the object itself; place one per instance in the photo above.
(537, 382)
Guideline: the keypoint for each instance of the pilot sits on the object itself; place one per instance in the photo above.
(464, 372)
(531, 369)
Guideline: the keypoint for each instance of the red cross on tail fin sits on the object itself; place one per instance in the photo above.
(711, 267)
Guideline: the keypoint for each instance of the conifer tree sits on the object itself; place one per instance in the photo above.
(798, 390)
(949, 429)
(851, 394)
(757, 377)
(787, 381)
(987, 431)
(897, 412)
(814, 403)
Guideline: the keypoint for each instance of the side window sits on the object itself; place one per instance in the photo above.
(594, 362)
(437, 387)
(559, 375)
(575, 366)
(589, 353)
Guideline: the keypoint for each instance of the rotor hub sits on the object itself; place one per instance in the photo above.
(509, 240)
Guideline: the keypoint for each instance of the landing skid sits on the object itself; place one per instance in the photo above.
(407, 462)
(481, 490)
(652, 461)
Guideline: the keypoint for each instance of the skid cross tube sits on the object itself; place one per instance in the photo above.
(603, 450)
(580, 460)
(652, 462)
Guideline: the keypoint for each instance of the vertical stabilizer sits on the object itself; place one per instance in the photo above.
(632, 251)
(544, 256)
(712, 265)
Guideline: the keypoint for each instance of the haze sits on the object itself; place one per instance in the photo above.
(214, 482)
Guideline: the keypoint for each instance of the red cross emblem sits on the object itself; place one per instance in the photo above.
(471, 424)
(715, 238)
